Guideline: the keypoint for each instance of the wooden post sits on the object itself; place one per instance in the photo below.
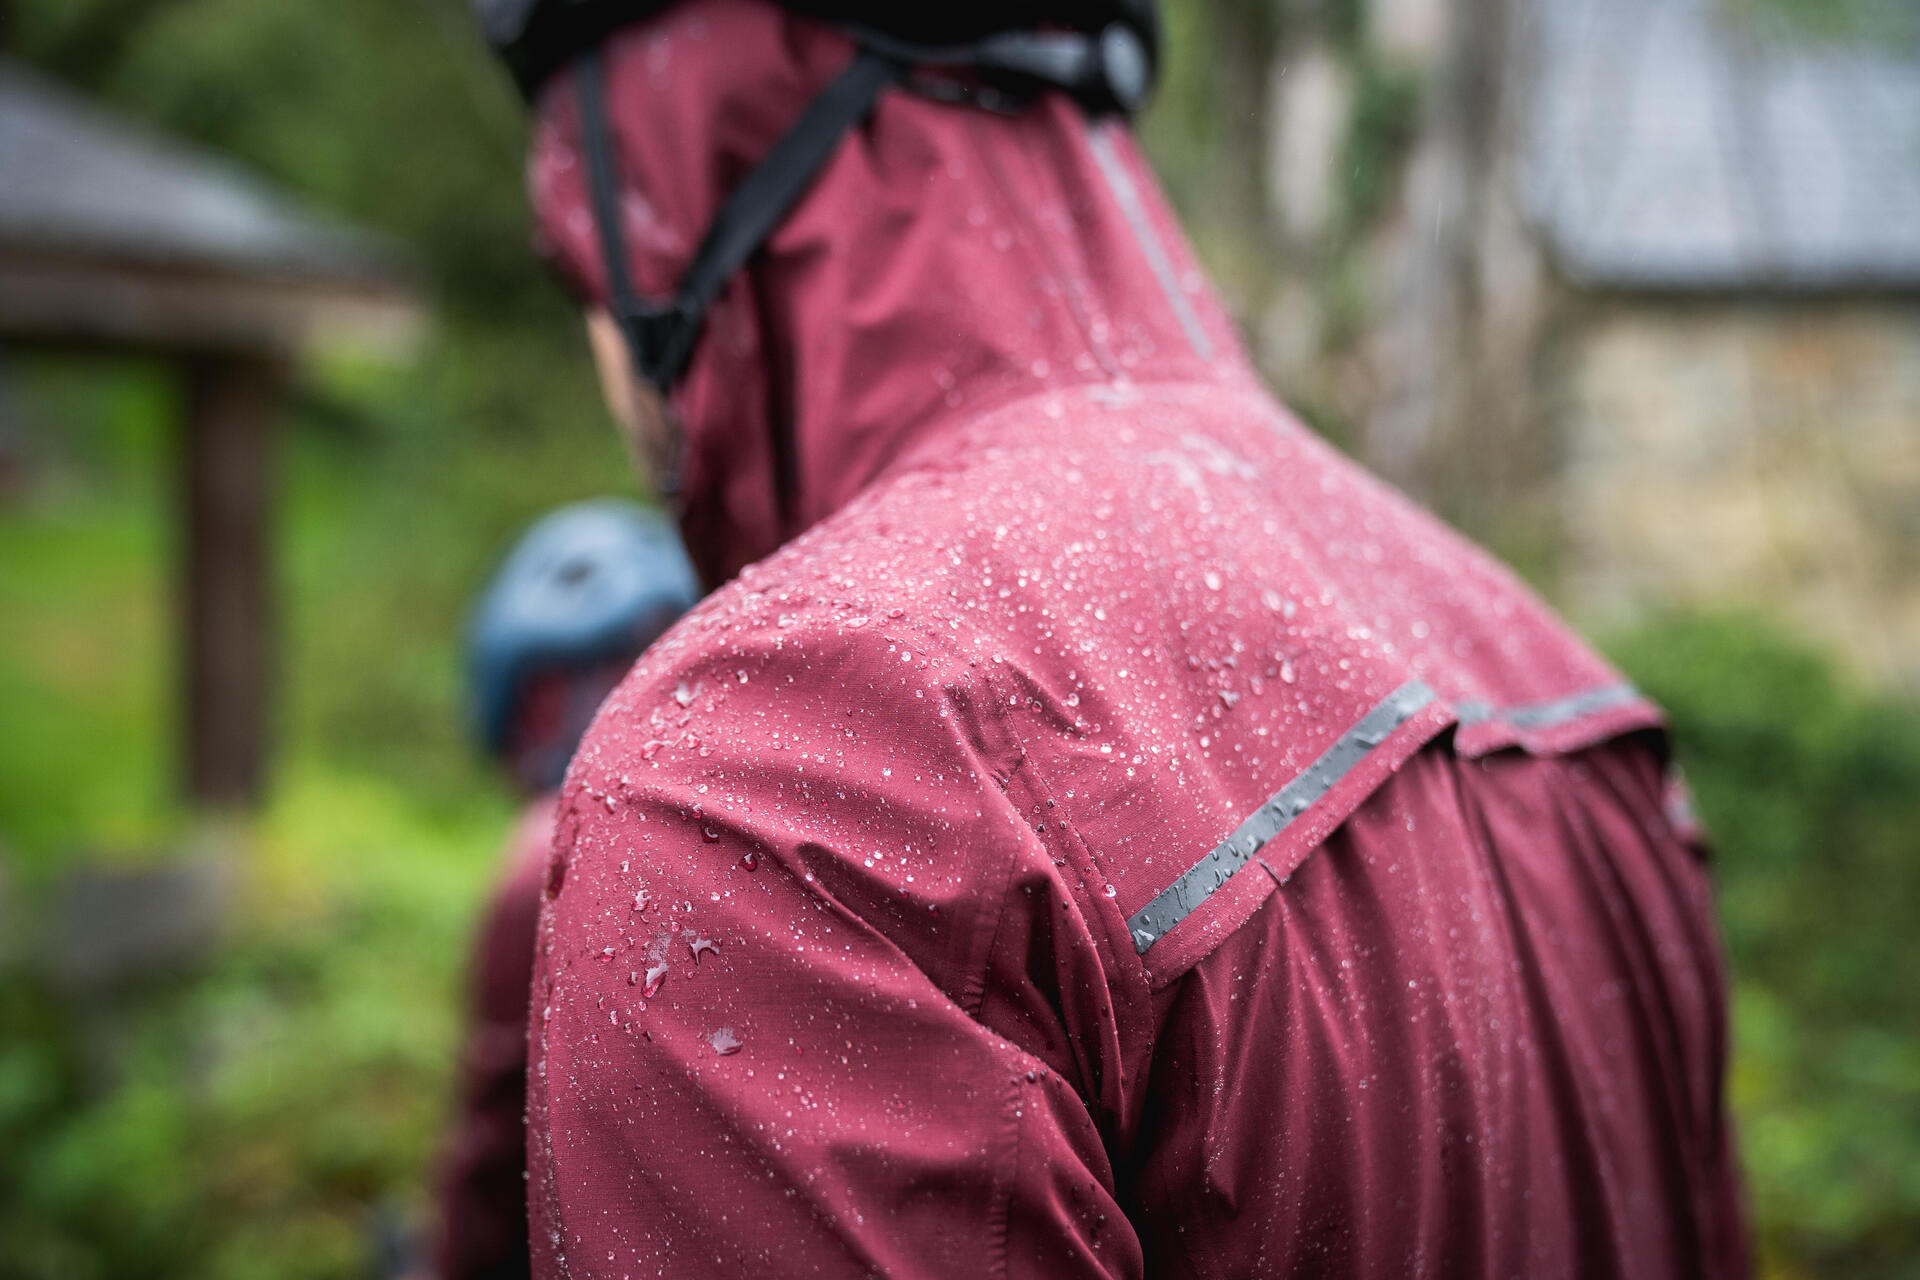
(225, 557)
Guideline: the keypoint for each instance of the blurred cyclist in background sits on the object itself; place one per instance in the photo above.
(582, 594)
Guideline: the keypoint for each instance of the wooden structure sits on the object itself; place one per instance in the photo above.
(117, 241)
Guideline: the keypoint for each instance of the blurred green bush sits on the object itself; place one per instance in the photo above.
(252, 1120)
(1811, 788)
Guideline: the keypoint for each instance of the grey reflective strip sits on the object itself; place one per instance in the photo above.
(1546, 715)
(1149, 924)
(1128, 197)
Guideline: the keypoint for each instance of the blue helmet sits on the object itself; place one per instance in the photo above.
(589, 585)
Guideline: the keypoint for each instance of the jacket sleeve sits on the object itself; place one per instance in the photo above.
(758, 1038)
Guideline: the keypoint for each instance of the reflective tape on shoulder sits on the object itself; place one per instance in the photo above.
(1179, 900)
(1548, 715)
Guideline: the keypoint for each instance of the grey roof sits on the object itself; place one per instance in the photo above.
(74, 180)
(1674, 148)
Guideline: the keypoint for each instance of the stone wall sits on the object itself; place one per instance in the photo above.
(1764, 454)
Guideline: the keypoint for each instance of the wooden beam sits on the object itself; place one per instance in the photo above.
(56, 297)
(225, 558)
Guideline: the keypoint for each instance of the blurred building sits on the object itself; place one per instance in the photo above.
(1736, 373)
(114, 241)
(1629, 287)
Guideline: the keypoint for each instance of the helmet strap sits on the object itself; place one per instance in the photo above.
(661, 336)
(1106, 71)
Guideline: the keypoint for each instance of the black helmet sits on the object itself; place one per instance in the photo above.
(535, 38)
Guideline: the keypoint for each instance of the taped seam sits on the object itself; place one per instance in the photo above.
(1234, 854)
(1000, 1213)
(1127, 196)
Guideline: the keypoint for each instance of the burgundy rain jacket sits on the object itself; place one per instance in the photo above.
(482, 1232)
(1102, 832)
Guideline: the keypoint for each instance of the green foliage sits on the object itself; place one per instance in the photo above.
(1832, 21)
(241, 1123)
(391, 531)
(1183, 129)
(1812, 791)
(1386, 107)
(1178, 126)
(83, 556)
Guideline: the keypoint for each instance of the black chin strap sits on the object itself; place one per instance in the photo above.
(1106, 71)
(1110, 70)
(662, 335)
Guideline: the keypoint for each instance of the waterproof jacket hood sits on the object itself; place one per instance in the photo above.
(940, 266)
